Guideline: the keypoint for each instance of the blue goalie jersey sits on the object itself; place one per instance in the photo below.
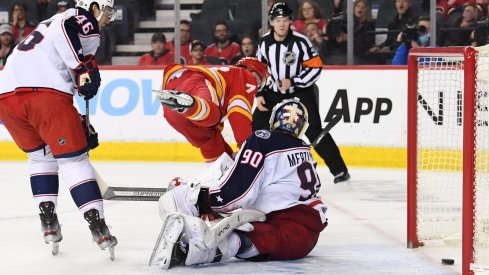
(272, 171)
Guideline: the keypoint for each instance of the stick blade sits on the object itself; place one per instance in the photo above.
(133, 194)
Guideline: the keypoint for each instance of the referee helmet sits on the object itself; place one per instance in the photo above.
(280, 9)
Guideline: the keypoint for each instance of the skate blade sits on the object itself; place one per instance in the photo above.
(55, 248)
(169, 235)
(111, 253)
(110, 244)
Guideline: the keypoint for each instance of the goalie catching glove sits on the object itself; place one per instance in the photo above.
(88, 78)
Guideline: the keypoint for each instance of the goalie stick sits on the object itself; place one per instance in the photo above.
(326, 130)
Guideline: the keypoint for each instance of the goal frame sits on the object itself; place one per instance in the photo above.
(468, 174)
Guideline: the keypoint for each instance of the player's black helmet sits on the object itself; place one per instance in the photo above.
(280, 9)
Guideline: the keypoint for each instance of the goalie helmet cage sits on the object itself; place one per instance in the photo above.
(448, 150)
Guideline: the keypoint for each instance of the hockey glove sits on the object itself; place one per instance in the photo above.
(90, 134)
(88, 78)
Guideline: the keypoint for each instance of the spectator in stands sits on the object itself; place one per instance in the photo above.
(223, 49)
(62, 6)
(185, 30)
(333, 49)
(197, 54)
(6, 43)
(256, 27)
(318, 40)
(403, 17)
(159, 55)
(248, 49)
(412, 38)
(42, 10)
(364, 26)
(309, 12)
(482, 6)
(466, 23)
(20, 26)
(479, 37)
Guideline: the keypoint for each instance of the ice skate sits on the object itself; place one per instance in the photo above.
(169, 250)
(341, 177)
(50, 225)
(176, 100)
(100, 232)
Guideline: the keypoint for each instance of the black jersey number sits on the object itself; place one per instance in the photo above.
(30, 41)
(307, 176)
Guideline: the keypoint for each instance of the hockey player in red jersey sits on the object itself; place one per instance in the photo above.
(197, 100)
(36, 107)
(272, 183)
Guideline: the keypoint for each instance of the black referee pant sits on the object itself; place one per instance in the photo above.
(327, 148)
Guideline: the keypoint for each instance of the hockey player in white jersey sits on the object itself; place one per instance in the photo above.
(274, 174)
(36, 107)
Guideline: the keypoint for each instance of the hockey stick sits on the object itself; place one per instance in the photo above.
(215, 171)
(326, 130)
(121, 193)
(128, 193)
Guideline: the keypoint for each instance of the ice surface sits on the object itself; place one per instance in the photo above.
(366, 232)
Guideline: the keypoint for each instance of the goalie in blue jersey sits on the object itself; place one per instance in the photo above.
(266, 201)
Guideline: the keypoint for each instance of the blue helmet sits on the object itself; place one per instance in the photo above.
(290, 116)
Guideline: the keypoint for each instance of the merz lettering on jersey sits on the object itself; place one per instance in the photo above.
(298, 158)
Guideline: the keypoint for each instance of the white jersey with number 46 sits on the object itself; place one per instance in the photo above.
(46, 58)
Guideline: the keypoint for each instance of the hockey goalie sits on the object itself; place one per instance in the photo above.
(261, 206)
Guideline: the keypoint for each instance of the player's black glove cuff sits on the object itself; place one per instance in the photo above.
(262, 92)
(88, 78)
(90, 134)
(259, 93)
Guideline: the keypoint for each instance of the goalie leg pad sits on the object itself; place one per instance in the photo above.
(164, 253)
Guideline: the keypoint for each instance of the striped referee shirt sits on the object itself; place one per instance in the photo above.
(294, 58)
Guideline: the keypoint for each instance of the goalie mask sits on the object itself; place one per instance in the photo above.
(290, 116)
(105, 6)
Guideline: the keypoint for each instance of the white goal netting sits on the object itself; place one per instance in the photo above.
(440, 140)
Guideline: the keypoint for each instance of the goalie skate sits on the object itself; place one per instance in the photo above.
(50, 226)
(175, 99)
(100, 232)
(169, 250)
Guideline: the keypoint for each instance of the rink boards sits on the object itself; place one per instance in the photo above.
(130, 123)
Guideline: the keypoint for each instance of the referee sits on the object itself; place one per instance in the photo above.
(294, 67)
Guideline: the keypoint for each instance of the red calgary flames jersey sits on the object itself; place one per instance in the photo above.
(232, 89)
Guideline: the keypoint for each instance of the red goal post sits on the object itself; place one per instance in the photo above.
(448, 150)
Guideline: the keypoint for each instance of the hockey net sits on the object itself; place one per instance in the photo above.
(448, 150)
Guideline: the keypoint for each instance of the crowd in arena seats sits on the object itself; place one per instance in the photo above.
(225, 30)
(324, 22)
